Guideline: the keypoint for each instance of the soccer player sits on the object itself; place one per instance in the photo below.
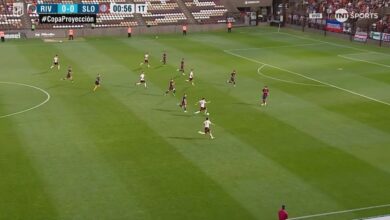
(146, 60)
(142, 79)
(171, 88)
(55, 62)
(97, 82)
(164, 58)
(191, 77)
(129, 32)
(184, 28)
(69, 75)
(283, 215)
(183, 103)
(229, 26)
(181, 66)
(207, 129)
(232, 79)
(265, 95)
(202, 105)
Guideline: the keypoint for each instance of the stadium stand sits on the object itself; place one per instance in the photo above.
(8, 20)
(160, 12)
(163, 12)
(206, 11)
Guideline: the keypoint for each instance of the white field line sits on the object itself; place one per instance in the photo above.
(367, 53)
(307, 77)
(29, 109)
(285, 46)
(381, 217)
(340, 212)
(286, 81)
(265, 33)
(365, 61)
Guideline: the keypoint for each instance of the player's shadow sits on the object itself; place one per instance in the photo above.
(41, 72)
(137, 69)
(188, 138)
(181, 115)
(158, 67)
(151, 94)
(87, 93)
(164, 110)
(243, 103)
(218, 83)
(125, 86)
(56, 86)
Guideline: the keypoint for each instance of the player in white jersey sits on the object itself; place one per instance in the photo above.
(55, 62)
(142, 79)
(202, 106)
(146, 60)
(207, 128)
(191, 77)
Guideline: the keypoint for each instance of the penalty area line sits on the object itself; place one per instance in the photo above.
(272, 47)
(286, 81)
(340, 212)
(29, 109)
(365, 61)
(307, 77)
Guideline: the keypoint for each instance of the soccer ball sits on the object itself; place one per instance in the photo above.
(207, 113)
(156, 37)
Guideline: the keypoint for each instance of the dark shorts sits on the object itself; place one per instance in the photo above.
(142, 81)
(68, 76)
(97, 83)
(206, 130)
(190, 79)
(183, 104)
(146, 61)
(55, 63)
(202, 108)
(265, 96)
(171, 88)
(232, 79)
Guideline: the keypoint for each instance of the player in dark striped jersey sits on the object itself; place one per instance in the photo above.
(171, 88)
(69, 74)
(181, 66)
(97, 82)
(265, 95)
(232, 79)
(164, 58)
(183, 103)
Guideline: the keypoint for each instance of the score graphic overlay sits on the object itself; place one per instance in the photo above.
(83, 13)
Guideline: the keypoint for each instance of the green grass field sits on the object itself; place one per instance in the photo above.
(322, 144)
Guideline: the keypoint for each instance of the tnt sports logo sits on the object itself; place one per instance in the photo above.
(342, 15)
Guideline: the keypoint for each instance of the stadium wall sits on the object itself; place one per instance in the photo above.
(334, 34)
(120, 31)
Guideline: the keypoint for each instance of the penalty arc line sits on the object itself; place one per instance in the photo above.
(307, 77)
(29, 109)
(365, 61)
(340, 212)
(286, 81)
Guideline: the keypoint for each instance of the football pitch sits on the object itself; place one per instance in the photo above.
(321, 146)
